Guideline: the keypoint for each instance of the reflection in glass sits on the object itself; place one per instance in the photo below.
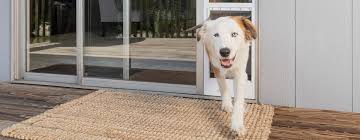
(159, 49)
(52, 37)
(103, 46)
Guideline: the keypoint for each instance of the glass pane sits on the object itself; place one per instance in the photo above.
(217, 14)
(237, 1)
(159, 49)
(103, 57)
(52, 37)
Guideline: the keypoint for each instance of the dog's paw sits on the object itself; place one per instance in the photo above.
(238, 128)
(238, 131)
(227, 107)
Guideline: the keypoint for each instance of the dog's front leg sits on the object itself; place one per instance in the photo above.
(237, 120)
(225, 95)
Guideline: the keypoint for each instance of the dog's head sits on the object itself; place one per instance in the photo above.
(224, 37)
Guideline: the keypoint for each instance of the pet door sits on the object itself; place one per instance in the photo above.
(219, 8)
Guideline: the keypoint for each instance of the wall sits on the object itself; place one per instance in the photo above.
(277, 52)
(356, 55)
(310, 53)
(324, 54)
(5, 40)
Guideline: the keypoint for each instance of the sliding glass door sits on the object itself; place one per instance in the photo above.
(136, 44)
(133, 44)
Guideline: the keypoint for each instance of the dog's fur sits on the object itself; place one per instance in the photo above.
(235, 33)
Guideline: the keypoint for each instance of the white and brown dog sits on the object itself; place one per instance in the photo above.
(227, 41)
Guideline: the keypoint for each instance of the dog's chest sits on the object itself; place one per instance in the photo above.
(229, 74)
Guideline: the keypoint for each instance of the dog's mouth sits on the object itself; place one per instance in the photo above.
(227, 63)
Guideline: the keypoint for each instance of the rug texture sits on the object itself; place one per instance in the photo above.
(140, 115)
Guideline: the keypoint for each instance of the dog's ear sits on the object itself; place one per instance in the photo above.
(199, 32)
(201, 27)
(248, 27)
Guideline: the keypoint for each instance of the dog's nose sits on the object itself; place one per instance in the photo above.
(225, 52)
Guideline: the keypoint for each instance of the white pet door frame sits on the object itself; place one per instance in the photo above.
(210, 84)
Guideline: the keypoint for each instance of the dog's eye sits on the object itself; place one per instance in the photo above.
(234, 34)
(216, 35)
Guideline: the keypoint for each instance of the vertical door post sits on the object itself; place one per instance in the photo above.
(80, 40)
(126, 38)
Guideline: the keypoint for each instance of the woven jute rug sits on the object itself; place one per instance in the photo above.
(140, 115)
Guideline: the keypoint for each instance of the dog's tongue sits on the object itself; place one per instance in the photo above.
(226, 62)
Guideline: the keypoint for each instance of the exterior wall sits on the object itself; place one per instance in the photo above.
(310, 53)
(324, 54)
(356, 55)
(5, 40)
(277, 52)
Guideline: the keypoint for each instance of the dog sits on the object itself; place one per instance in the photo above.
(227, 42)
